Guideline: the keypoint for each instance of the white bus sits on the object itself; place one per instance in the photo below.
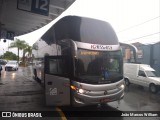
(79, 61)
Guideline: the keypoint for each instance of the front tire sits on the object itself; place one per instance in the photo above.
(153, 88)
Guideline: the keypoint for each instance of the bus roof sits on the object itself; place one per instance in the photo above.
(81, 29)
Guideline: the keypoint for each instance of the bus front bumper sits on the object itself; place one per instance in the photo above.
(83, 100)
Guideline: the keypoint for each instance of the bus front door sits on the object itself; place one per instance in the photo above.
(57, 82)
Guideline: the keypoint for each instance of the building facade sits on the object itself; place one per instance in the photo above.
(147, 54)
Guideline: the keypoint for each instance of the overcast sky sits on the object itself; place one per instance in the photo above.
(133, 20)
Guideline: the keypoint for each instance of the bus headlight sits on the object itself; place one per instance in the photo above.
(81, 91)
(121, 86)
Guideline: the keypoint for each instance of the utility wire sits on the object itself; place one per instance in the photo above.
(138, 24)
(143, 36)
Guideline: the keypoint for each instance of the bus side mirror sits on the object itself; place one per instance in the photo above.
(4, 40)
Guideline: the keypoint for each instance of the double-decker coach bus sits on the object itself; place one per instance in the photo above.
(79, 61)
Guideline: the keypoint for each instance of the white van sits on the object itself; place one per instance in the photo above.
(141, 74)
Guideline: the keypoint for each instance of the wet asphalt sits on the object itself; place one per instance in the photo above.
(20, 92)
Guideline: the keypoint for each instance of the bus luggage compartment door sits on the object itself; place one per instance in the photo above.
(57, 90)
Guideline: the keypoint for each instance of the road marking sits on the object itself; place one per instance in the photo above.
(63, 117)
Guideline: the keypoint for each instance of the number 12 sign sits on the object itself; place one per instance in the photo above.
(35, 6)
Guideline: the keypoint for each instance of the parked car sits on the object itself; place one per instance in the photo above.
(2, 62)
(143, 75)
(11, 65)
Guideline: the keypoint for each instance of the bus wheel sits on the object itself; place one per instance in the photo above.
(127, 82)
(153, 88)
(35, 74)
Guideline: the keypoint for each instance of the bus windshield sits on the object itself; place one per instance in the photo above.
(98, 67)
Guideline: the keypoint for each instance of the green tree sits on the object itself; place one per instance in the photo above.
(24, 52)
(1, 57)
(19, 44)
(27, 50)
(9, 56)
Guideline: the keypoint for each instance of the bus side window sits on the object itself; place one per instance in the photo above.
(58, 67)
(53, 67)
